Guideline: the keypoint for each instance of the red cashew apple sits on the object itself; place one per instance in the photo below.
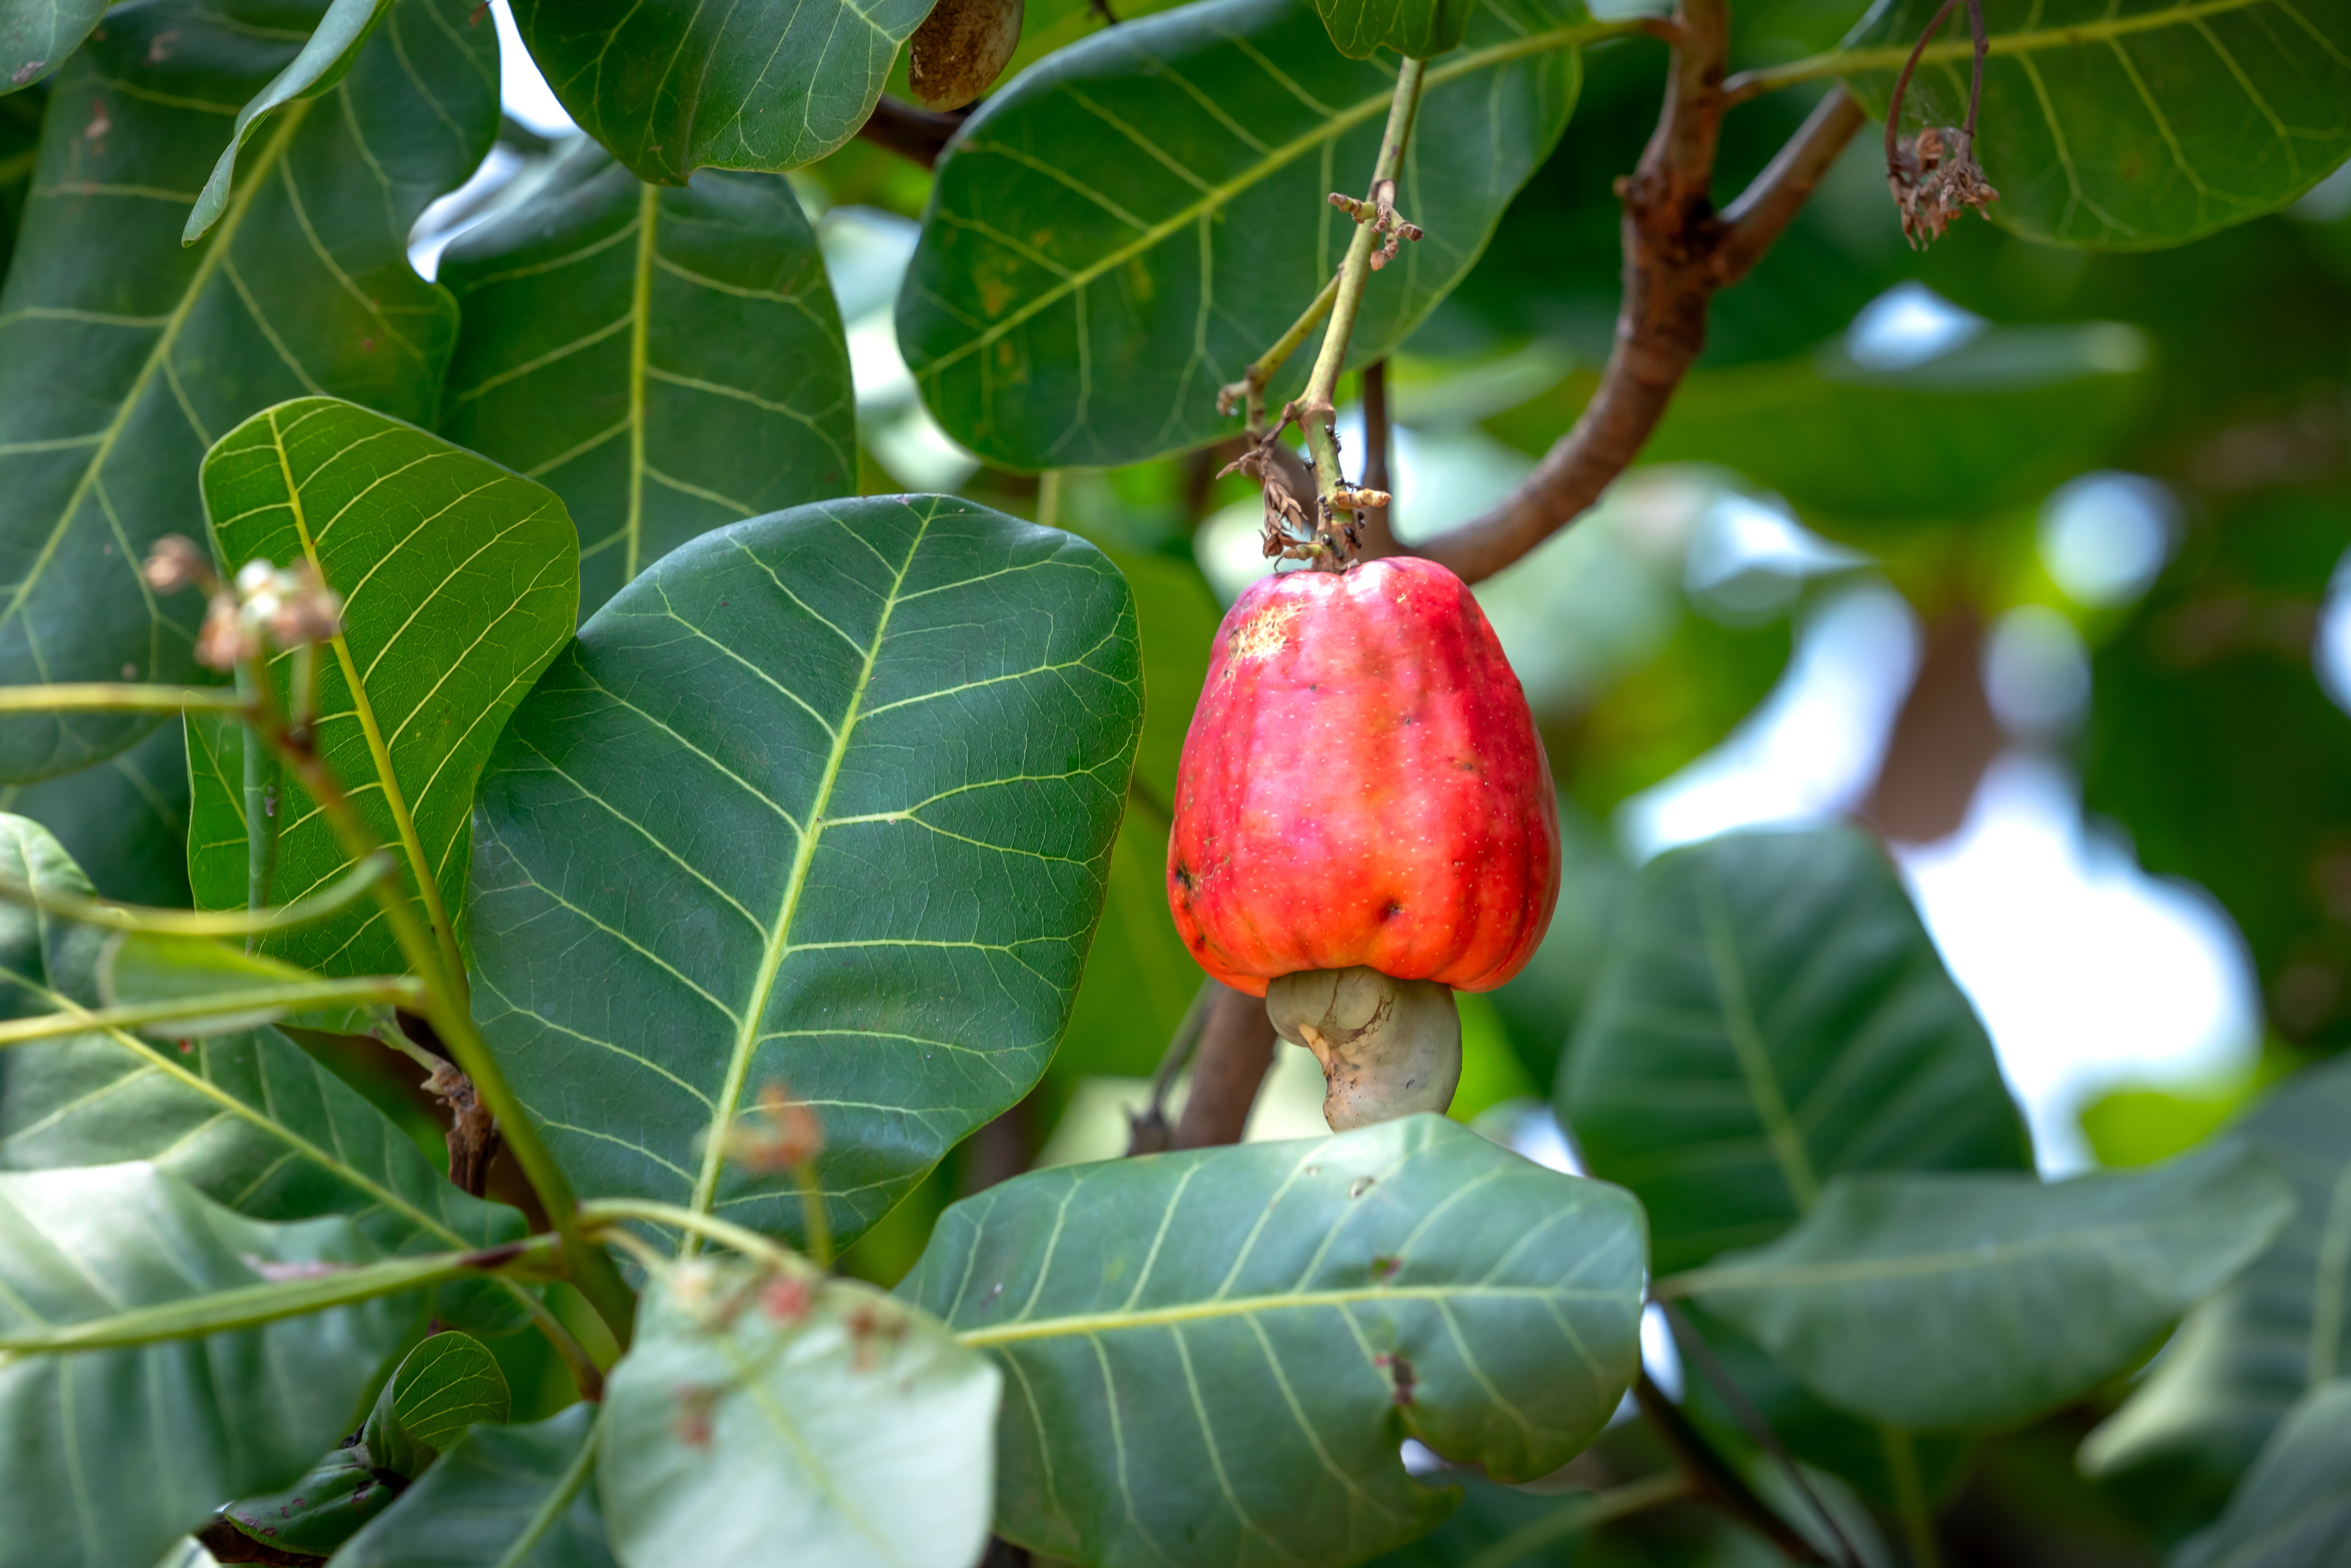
(1363, 790)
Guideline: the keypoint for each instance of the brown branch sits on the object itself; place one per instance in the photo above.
(919, 135)
(1228, 1065)
(1713, 1481)
(1678, 252)
(1378, 529)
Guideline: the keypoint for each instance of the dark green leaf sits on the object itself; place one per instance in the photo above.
(822, 803)
(247, 1119)
(106, 1455)
(447, 1384)
(1773, 1016)
(1994, 422)
(667, 361)
(2129, 125)
(1419, 29)
(35, 36)
(758, 1406)
(125, 819)
(1215, 1355)
(1957, 1300)
(322, 1509)
(1126, 227)
(2294, 1509)
(768, 84)
(504, 1496)
(2244, 1358)
(324, 59)
(122, 355)
(459, 581)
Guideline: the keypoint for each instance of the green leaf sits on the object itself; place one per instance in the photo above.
(821, 802)
(1774, 1015)
(1989, 425)
(125, 819)
(322, 1509)
(448, 1384)
(768, 84)
(111, 1454)
(323, 61)
(2131, 125)
(249, 1120)
(1139, 979)
(1289, 1312)
(503, 1497)
(1420, 28)
(124, 356)
(1128, 224)
(1960, 1300)
(459, 582)
(667, 361)
(35, 36)
(2294, 1509)
(2244, 1358)
(147, 968)
(758, 1406)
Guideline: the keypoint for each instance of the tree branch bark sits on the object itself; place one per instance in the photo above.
(1678, 252)
(1228, 1066)
(920, 134)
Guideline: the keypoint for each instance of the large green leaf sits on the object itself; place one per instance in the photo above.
(106, 1455)
(821, 802)
(760, 1405)
(247, 1119)
(673, 87)
(668, 361)
(35, 36)
(124, 821)
(1126, 227)
(1989, 425)
(123, 355)
(1215, 1355)
(504, 1496)
(1953, 1300)
(2242, 1359)
(2294, 1509)
(2132, 123)
(1774, 1015)
(459, 581)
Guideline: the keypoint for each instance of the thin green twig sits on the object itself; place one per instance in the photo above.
(264, 1001)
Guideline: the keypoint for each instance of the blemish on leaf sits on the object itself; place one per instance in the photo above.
(1360, 1186)
(1401, 1376)
(1385, 1269)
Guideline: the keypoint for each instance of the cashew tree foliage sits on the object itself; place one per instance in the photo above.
(589, 725)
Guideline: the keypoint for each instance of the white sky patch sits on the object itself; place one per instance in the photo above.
(1909, 325)
(521, 89)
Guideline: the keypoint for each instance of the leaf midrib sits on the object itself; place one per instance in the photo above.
(411, 844)
(1216, 197)
(1085, 1325)
(640, 332)
(223, 236)
(1890, 57)
(558, 1499)
(771, 962)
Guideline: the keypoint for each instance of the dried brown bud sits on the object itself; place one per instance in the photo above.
(1935, 177)
(225, 638)
(176, 563)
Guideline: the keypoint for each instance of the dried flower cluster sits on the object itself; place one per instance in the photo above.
(263, 606)
(1381, 214)
(1935, 177)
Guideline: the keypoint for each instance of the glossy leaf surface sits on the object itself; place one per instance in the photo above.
(35, 36)
(1931, 1301)
(2294, 1509)
(820, 804)
(112, 1454)
(458, 580)
(673, 87)
(445, 1385)
(502, 1497)
(2142, 123)
(761, 1406)
(1419, 29)
(2244, 1358)
(123, 355)
(1214, 1355)
(1774, 1015)
(323, 1509)
(667, 361)
(1122, 230)
(247, 1119)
